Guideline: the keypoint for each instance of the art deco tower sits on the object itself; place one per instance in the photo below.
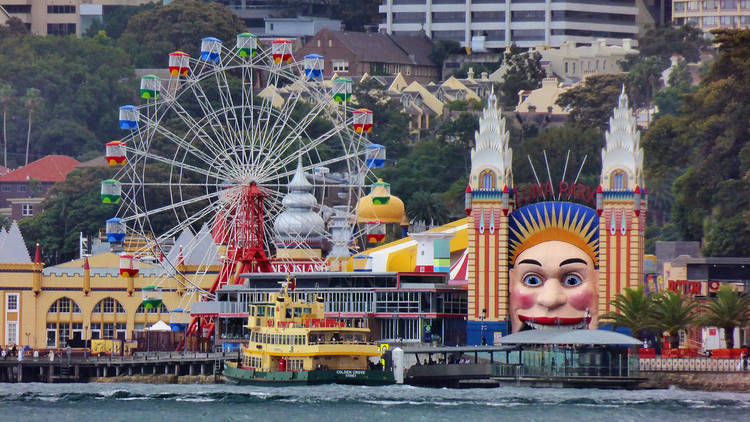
(488, 203)
(621, 203)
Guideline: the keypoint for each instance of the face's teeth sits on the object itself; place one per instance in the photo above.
(537, 326)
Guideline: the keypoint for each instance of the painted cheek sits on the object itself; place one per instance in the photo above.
(581, 300)
(522, 300)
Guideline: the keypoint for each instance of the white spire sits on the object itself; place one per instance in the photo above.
(299, 222)
(492, 144)
(13, 249)
(622, 149)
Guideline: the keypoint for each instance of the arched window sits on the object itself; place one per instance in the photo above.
(487, 179)
(108, 306)
(566, 67)
(64, 305)
(618, 180)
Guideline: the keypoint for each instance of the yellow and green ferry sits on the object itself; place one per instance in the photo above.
(293, 343)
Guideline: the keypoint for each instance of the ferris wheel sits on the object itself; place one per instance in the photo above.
(217, 148)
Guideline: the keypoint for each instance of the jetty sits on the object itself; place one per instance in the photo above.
(84, 368)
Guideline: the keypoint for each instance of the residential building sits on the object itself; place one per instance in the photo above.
(23, 189)
(542, 99)
(573, 63)
(712, 14)
(358, 53)
(60, 17)
(493, 24)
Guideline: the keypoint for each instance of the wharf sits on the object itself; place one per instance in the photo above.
(84, 368)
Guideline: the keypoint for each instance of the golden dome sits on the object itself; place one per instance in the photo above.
(390, 212)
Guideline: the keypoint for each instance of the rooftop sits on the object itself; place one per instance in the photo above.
(52, 168)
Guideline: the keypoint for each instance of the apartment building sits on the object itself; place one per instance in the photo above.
(712, 14)
(494, 24)
(60, 17)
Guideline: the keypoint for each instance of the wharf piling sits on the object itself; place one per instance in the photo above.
(83, 369)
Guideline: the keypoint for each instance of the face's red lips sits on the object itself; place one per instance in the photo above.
(551, 320)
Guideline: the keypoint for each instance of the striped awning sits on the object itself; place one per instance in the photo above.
(459, 268)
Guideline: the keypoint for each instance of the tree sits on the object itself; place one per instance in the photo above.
(460, 130)
(442, 49)
(154, 33)
(427, 207)
(72, 207)
(13, 27)
(32, 100)
(591, 103)
(673, 312)
(664, 41)
(730, 309)
(524, 71)
(391, 124)
(7, 93)
(633, 309)
(644, 80)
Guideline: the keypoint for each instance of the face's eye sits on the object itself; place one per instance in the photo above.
(532, 280)
(572, 280)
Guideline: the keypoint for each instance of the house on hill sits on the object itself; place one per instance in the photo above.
(357, 53)
(23, 189)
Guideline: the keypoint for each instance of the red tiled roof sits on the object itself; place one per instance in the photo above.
(52, 168)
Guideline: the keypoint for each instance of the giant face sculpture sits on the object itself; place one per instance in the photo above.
(554, 261)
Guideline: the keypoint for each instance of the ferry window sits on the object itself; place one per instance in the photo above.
(271, 311)
(252, 311)
(261, 311)
(297, 312)
(308, 311)
(288, 312)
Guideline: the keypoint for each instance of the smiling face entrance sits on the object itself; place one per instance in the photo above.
(553, 284)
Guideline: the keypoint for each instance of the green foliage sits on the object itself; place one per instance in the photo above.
(633, 310)
(355, 14)
(4, 222)
(116, 20)
(81, 81)
(391, 126)
(729, 310)
(524, 71)
(441, 49)
(644, 80)
(427, 207)
(73, 206)
(13, 27)
(431, 167)
(460, 129)
(179, 25)
(557, 141)
(664, 41)
(672, 312)
(591, 103)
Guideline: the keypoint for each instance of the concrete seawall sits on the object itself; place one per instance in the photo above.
(738, 382)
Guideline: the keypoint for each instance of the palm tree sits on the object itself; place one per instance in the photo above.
(6, 96)
(673, 312)
(32, 100)
(428, 208)
(633, 311)
(729, 310)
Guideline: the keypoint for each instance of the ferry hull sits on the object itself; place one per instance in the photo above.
(273, 378)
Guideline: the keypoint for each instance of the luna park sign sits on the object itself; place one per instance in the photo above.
(575, 192)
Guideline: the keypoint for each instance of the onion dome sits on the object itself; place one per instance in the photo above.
(298, 222)
(372, 207)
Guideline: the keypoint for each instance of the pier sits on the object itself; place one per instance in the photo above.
(85, 368)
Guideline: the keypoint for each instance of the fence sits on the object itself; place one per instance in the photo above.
(692, 365)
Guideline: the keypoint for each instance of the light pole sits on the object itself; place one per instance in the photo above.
(481, 318)
(28, 334)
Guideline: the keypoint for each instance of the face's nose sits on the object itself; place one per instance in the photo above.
(552, 295)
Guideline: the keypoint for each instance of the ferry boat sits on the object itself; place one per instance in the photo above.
(293, 343)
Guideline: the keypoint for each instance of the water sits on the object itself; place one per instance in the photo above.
(216, 402)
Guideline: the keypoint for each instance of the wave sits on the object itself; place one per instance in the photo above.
(390, 397)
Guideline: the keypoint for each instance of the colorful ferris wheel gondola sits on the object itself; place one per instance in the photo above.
(111, 191)
(247, 45)
(179, 63)
(150, 87)
(115, 230)
(375, 155)
(362, 120)
(210, 49)
(342, 90)
(375, 230)
(151, 296)
(314, 65)
(116, 153)
(130, 266)
(281, 50)
(128, 117)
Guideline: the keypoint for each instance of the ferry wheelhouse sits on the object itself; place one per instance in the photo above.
(292, 342)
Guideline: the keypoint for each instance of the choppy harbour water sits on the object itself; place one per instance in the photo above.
(146, 402)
